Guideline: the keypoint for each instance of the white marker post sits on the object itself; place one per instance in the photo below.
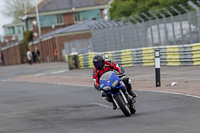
(106, 56)
(157, 67)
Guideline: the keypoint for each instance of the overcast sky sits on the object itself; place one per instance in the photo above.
(4, 19)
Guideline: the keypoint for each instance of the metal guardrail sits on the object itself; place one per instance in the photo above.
(169, 56)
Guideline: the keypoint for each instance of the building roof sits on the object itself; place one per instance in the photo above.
(82, 26)
(86, 25)
(14, 24)
(54, 32)
(79, 27)
(54, 5)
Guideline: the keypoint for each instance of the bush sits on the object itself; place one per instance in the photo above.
(28, 37)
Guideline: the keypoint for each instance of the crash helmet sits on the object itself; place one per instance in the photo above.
(98, 62)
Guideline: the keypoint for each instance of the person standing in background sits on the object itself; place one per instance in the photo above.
(36, 54)
(56, 54)
(2, 59)
(29, 56)
(33, 56)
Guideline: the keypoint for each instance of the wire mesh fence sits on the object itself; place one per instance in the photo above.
(173, 30)
(78, 46)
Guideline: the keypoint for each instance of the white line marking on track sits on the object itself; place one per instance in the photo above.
(71, 85)
(59, 71)
(38, 75)
(102, 105)
(175, 93)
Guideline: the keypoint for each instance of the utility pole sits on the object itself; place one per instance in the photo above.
(37, 17)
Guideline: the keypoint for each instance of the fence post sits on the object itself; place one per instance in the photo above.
(118, 35)
(157, 67)
(188, 16)
(104, 30)
(164, 21)
(150, 26)
(114, 40)
(158, 27)
(142, 29)
(137, 30)
(197, 14)
(181, 25)
(172, 21)
(198, 19)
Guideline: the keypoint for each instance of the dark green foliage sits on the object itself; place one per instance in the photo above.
(125, 8)
(28, 36)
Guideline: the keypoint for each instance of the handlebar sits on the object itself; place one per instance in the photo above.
(121, 75)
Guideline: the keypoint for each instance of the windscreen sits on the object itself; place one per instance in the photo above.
(106, 75)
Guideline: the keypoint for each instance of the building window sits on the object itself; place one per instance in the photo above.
(50, 20)
(85, 15)
(30, 25)
(10, 31)
(42, 21)
(82, 16)
(96, 14)
(19, 32)
(59, 19)
(77, 16)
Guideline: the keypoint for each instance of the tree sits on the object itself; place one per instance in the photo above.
(28, 37)
(125, 8)
(16, 8)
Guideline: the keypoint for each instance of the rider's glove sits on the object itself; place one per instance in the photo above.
(116, 72)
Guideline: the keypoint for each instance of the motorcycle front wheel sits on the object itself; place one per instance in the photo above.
(124, 108)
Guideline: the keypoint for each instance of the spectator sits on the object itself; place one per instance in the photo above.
(36, 54)
(29, 56)
(2, 59)
(56, 54)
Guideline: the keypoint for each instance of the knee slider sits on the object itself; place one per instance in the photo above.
(129, 81)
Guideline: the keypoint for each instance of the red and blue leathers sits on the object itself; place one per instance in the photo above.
(109, 65)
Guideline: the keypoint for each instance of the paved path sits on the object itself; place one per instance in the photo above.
(47, 98)
(143, 78)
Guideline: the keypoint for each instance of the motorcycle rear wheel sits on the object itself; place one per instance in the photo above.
(124, 108)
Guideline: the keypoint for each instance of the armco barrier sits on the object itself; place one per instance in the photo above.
(196, 54)
(175, 55)
(148, 56)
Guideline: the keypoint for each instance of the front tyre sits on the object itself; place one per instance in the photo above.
(124, 108)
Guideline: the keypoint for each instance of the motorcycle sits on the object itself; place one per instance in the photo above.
(116, 92)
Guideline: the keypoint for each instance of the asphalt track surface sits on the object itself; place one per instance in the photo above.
(50, 108)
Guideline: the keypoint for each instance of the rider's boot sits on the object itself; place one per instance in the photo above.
(127, 82)
(132, 93)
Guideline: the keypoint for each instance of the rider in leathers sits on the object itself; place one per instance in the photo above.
(102, 66)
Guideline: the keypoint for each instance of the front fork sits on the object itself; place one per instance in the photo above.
(124, 97)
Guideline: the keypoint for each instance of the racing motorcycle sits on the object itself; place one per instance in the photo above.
(116, 91)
